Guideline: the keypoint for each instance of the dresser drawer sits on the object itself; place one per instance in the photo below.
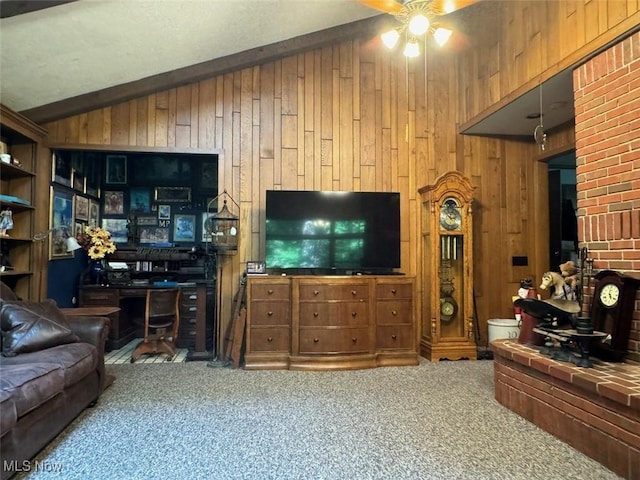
(386, 291)
(98, 297)
(270, 291)
(316, 292)
(273, 339)
(334, 314)
(394, 337)
(334, 340)
(391, 311)
(270, 313)
(188, 298)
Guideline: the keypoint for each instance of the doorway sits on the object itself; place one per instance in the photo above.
(563, 202)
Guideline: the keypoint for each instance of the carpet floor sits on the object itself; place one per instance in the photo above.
(188, 420)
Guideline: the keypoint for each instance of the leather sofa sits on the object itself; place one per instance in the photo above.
(51, 369)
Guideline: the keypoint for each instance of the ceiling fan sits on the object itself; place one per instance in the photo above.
(417, 18)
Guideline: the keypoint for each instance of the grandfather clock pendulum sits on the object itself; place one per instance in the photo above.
(447, 316)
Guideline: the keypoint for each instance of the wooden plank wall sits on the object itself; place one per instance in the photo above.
(354, 117)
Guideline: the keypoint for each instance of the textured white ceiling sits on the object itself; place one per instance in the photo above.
(88, 45)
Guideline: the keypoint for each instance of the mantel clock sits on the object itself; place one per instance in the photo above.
(447, 317)
(612, 307)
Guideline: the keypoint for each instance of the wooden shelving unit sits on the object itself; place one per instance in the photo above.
(19, 187)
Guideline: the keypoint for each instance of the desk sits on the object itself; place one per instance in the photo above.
(196, 313)
(112, 313)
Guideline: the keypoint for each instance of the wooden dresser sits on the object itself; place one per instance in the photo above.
(330, 322)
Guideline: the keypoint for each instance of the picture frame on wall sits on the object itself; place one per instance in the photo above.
(79, 228)
(61, 222)
(117, 227)
(184, 228)
(92, 169)
(116, 170)
(208, 176)
(114, 202)
(147, 220)
(82, 208)
(164, 212)
(172, 194)
(205, 234)
(61, 169)
(139, 200)
(78, 173)
(154, 235)
(94, 213)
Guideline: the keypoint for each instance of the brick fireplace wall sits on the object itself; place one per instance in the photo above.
(607, 104)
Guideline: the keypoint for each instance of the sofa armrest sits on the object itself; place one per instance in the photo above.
(93, 330)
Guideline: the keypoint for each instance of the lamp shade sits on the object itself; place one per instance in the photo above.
(72, 244)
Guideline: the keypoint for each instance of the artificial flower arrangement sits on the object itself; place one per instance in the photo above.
(97, 242)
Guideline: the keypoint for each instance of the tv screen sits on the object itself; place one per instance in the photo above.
(332, 232)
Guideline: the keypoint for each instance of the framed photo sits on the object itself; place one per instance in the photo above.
(92, 174)
(147, 220)
(184, 228)
(209, 176)
(61, 223)
(139, 200)
(164, 212)
(154, 234)
(116, 171)
(172, 194)
(117, 227)
(205, 233)
(82, 208)
(94, 213)
(78, 173)
(256, 267)
(61, 170)
(113, 202)
(79, 228)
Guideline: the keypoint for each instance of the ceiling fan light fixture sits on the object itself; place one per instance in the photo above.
(442, 35)
(419, 24)
(412, 49)
(390, 38)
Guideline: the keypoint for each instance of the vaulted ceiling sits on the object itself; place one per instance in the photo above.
(58, 56)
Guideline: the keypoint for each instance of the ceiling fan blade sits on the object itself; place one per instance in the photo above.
(387, 6)
(448, 6)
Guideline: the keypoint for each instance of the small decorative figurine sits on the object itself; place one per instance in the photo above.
(6, 221)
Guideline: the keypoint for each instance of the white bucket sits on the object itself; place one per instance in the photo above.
(503, 328)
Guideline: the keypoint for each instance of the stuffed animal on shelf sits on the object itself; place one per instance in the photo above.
(569, 272)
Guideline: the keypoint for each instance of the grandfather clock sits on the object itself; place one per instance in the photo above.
(447, 232)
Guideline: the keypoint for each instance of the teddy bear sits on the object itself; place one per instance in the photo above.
(569, 272)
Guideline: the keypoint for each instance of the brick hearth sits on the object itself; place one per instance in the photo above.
(595, 410)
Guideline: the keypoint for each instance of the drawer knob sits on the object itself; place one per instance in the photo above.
(353, 314)
(316, 292)
(269, 339)
(354, 293)
(193, 297)
(394, 336)
(394, 312)
(354, 339)
(316, 340)
(315, 314)
(270, 291)
(393, 290)
(192, 309)
(269, 314)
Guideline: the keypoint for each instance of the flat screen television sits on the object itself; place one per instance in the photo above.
(314, 232)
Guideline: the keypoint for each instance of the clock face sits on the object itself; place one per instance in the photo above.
(609, 295)
(448, 309)
(450, 216)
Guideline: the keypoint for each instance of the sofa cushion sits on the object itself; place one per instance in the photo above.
(8, 415)
(75, 360)
(33, 326)
(30, 385)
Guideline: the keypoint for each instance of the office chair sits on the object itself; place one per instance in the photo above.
(161, 322)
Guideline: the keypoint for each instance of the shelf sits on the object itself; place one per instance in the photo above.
(15, 273)
(15, 239)
(11, 171)
(16, 207)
